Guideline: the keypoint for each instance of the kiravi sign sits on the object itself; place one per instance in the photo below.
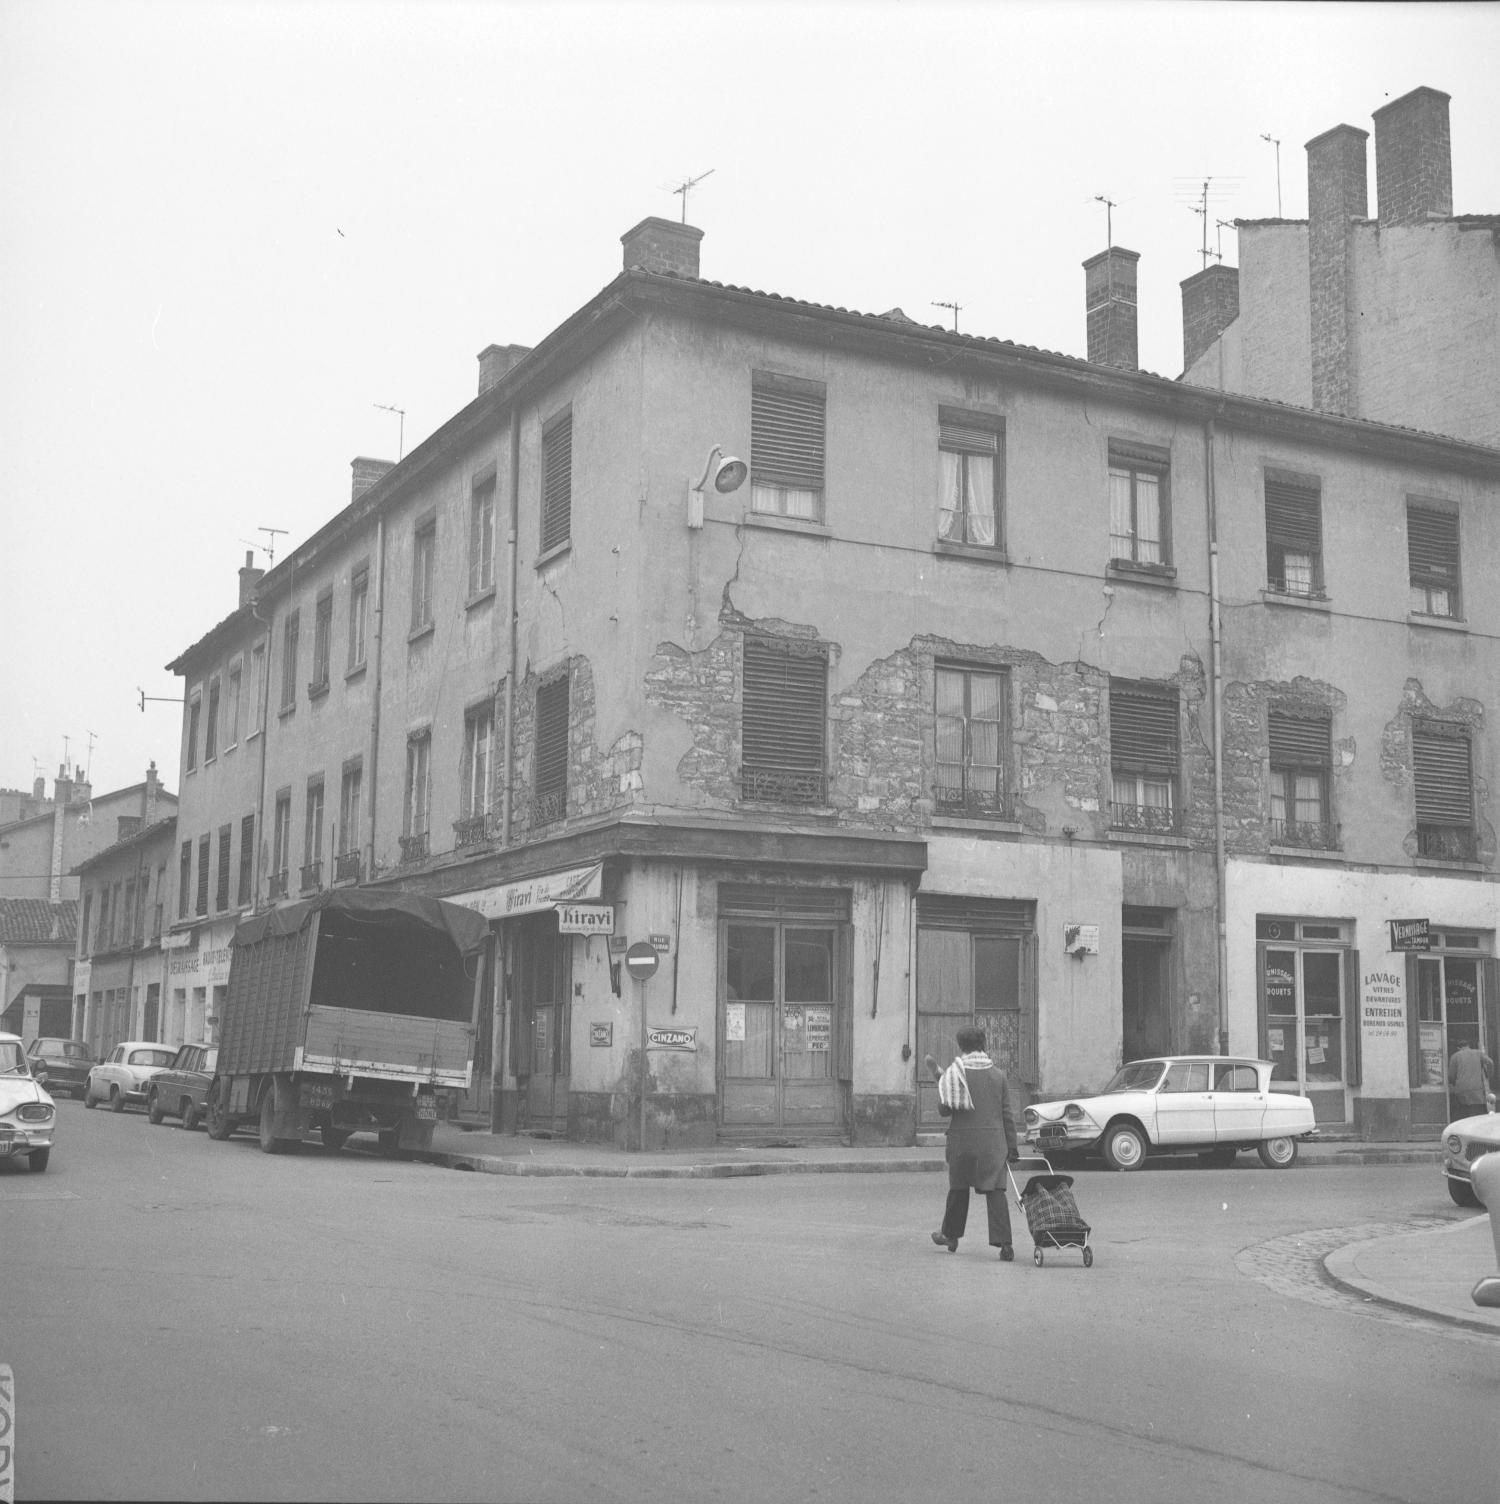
(1409, 934)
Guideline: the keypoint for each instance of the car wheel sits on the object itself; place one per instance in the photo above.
(153, 1109)
(269, 1143)
(189, 1114)
(116, 1100)
(88, 1098)
(1463, 1193)
(1124, 1147)
(1220, 1158)
(334, 1138)
(220, 1124)
(1277, 1153)
(37, 1160)
(81, 1094)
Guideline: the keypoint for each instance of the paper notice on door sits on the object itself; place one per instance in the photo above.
(819, 1028)
(1315, 1054)
(1275, 1041)
(734, 1022)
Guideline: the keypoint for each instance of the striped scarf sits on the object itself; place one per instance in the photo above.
(953, 1086)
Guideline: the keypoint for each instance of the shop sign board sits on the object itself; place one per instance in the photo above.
(178, 939)
(534, 894)
(601, 1035)
(663, 943)
(1383, 1005)
(1410, 934)
(672, 1039)
(585, 918)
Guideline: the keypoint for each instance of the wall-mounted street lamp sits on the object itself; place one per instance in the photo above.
(725, 472)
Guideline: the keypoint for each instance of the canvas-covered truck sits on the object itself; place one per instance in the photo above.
(347, 1013)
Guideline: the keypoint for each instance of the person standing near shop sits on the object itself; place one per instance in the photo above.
(1470, 1072)
(974, 1097)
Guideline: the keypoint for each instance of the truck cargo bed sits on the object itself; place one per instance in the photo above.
(392, 1046)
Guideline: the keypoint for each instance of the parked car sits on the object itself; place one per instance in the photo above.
(123, 1076)
(1213, 1104)
(1464, 1140)
(61, 1065)
(179, 1091)
(28, 1115)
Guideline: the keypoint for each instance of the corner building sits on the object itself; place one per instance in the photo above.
(994, 685)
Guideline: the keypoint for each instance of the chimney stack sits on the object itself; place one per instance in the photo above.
(366, 473)
(1337, 195)
(153, 791)
(250, 577)
(1109, 304)
(496, 360)
(1414, 159)
(662, 245)
(1210, 304)
(39, 787)
(62, 788)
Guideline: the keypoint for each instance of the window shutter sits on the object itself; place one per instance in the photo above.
(557, 483)
(1440, 765)
(967, 437)
(1293, 516)
(1353, 1033)
(783, 721)
(1299, 741)
(1432, 544)
(552, 737)
(1143, 730)
(1413, 1025)
(984, 916)
(786, 437)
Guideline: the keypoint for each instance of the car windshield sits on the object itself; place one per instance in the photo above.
(150, 1057)
(1138, 1075)
(63, 1049)
(12, 1061)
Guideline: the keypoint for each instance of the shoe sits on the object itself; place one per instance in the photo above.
(1007, 1254)
(951, 1244)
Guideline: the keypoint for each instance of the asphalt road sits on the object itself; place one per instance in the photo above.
(195, 1320)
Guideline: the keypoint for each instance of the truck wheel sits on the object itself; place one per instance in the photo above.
(390, 1142)
(189, 1114)
(269, 1143)
(334, 1138)
(220, 1124)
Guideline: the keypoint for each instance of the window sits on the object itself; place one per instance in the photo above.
(221, 892)
(232, 709)
(322, 643)
(784, 709)
(312, 837)
(423, 558)
(346, 864)
(184, 884)
(414, 823)
(289, 661)
(203, 874)
(101, 935)
(211, 730)
(971, 741)
(1432, 552)
(281, 844)
(359, 608)
(247, 861)
(159, 908)
(195, 715)
(1301, 754)
(474, 791)
(550, 776)
(557, 481)
(1138, 504)
(258, 686)
(88, 916)
(1143, 753)
(969, 471)
(1443, 774)
(787, 421)
(1294, 537)
(482, 537)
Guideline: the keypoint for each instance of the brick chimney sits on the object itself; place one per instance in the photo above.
(1210, 304)
(152, 795)
(1414, 159)
(62, 787)
(496, 360)
(39, 787)
(249, 579)
(1109, 304)
(662, 245)
(366, 473)
(1337, 195)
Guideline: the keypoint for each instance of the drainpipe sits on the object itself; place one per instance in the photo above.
(1216, 695)
(260, 792)
(508, 754)
(372, 803)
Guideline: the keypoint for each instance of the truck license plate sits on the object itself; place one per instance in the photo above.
(427, 1109)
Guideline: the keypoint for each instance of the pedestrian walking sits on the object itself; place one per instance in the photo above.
(974, 1097)
(1470, 1071)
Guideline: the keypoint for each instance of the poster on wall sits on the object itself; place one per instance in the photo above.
(819, 1028)
(1383, 1006)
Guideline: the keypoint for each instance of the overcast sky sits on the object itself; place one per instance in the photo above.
(228, 231)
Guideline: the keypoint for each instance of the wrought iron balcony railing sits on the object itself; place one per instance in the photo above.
(782, 786)
(474, 830)
(312, 877)
(975, 804)
(276, 884)
(414, 848)
(1156, 819)
(549, 807)
(1310, 835)
(347, 867)
(1448, 843)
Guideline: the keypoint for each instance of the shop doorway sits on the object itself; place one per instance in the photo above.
(1452, 1003)
(543, 1024)
(1145, 950)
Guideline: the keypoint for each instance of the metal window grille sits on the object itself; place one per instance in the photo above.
(784, 709)
(557, 482)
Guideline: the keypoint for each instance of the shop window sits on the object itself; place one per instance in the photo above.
(972, 742)
(1144, 756)
(1301, 757)
(783, 715)
(787, 441)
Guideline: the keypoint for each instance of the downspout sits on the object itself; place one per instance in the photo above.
(1216, 694)
(513, 528)
(265, 736)
(372, 803)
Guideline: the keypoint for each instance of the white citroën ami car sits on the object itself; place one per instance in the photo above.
(1214, 1105)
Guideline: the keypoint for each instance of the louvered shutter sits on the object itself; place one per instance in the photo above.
(1432, 546)
(1354, 1055)
(557, 482)
(1294, 524)
(783, 716)
(1299, 741)
(983, 916)
(786, 437)
(1440, 765)
(967, 437)
(552, 742)
(1143, 731)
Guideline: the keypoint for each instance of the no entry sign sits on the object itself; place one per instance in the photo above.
(641, 960)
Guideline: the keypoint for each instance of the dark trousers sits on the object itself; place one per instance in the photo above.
(1463, 1109)
(956, 1215)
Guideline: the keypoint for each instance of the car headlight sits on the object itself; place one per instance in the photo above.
(1031, 1117)
(33, 1112)
(1455, 1145)
(1074, 1113)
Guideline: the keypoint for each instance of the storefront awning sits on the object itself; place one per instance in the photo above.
(509, 900)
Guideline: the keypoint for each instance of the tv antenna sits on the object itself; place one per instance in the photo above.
(685, 188)
(88, 766)
(954, 306)
(1264, 136)
(268, 548)
(1220, 225)
(1109, 217)
(400, 428)
(1205, 190)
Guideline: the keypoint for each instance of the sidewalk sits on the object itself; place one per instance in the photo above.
(1431, 1270)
